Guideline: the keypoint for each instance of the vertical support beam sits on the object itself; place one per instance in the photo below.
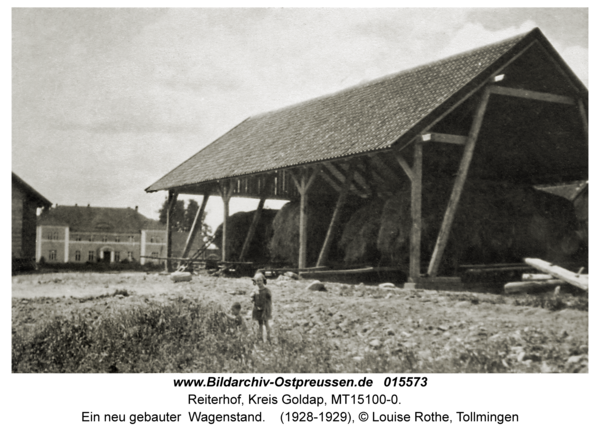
(171, 205)
(303, 185)
(264, 191)
(415, 211)
(459, 183)
(196, 227)
(226, 190)
(336, 214)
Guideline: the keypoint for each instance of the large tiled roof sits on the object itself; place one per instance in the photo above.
(364, 118)
(97, 219)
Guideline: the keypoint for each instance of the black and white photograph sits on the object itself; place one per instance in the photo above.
(261, 191)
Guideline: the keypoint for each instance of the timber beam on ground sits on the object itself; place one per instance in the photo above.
(530, 94)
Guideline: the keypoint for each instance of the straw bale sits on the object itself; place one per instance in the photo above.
(238, 225)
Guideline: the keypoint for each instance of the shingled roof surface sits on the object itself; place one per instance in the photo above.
(98, 219)
(367, 117)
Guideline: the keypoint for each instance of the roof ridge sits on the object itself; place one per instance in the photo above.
(386, 77)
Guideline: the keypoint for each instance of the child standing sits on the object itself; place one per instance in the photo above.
(263, 305)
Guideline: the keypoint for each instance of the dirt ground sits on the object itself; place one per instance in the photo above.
(356, 318)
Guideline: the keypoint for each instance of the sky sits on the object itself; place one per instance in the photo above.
(107, 101)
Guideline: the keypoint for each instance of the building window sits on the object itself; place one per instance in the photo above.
(117, 239)
(52, 255)
(129, 255)
(155, 255)
(77, 256)
(78, 238)
(104, 238)
(91, 238)
(91, 256)
(55, 235)
(151, 240)
(130, 238)
(117, 256)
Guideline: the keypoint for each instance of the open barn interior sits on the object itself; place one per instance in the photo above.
(456, 188)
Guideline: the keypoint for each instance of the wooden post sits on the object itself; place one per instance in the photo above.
(170, 206)
(415, 175)
(196, 227)
(459, 183)
(415, 210)
(303, 184)
(226, 190)
(257, 214)
(336, 214)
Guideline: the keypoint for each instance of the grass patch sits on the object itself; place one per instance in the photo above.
(186, 335)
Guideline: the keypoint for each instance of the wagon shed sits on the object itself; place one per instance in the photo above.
(508, 113)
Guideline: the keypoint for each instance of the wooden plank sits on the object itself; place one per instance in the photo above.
(196, 226)
(530, 94)
(459, 183)
(415, 211)
(436, 137)
(523, 286)
(336, 215)
(572, 278)
(407, 169)
(172, 199)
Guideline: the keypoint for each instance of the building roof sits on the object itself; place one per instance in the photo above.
(32, 193)
(365, 118)
(97, 219)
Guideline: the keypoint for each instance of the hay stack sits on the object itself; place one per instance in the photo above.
(359, 238)
(238, 225)
(284, 244)
(494, 223)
